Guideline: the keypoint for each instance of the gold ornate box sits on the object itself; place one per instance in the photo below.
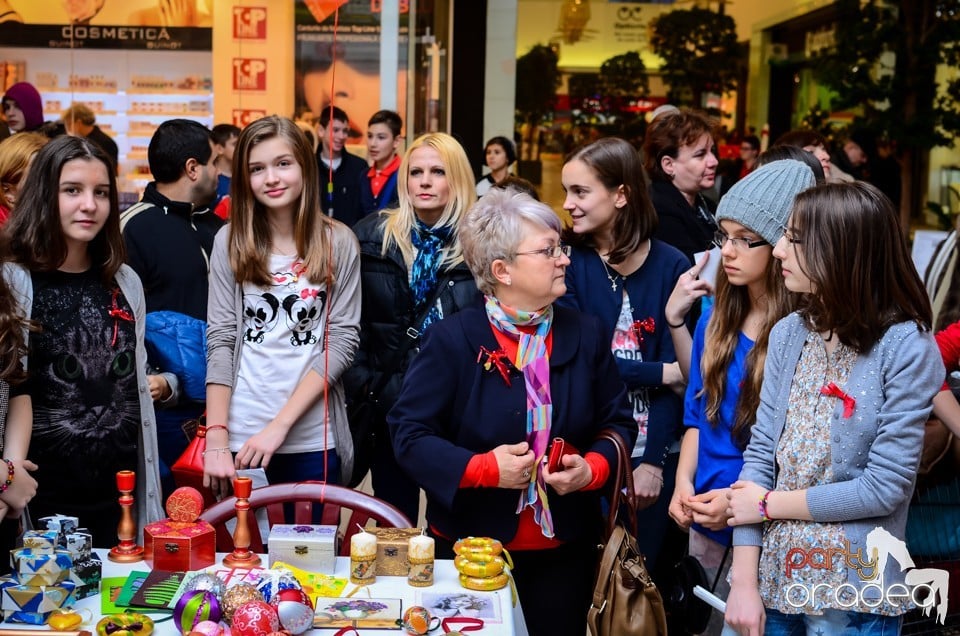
(392, 546)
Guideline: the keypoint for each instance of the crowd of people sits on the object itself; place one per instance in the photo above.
(777, 407)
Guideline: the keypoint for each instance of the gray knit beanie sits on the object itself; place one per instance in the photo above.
(762, 200)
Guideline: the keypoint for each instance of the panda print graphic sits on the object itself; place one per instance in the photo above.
(299, 309)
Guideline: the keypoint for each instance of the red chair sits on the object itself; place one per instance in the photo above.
(303, 496)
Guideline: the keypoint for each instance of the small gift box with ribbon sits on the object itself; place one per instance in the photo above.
(33, 604)
(40, 569)
(309, 547)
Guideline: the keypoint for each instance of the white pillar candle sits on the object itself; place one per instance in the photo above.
(363, 545)
(421, 547)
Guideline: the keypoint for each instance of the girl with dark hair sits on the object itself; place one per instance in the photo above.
(728, 351)
(619, 273)
(833, 454)
(499, 154)
(283, 316)
(92, 411)
(680, 158)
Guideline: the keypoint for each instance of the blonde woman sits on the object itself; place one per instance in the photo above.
(413, 275)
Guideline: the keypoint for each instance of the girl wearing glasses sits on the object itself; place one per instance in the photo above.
(729, 347)
(833, 454)
(623, 276)
(413, 275)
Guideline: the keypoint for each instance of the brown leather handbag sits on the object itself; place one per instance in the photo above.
(625, 600)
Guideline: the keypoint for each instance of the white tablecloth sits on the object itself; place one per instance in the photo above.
(445, 580)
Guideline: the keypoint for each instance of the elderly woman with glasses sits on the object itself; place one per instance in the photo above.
(492, 386)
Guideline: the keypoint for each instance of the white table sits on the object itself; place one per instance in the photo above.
(445, 580)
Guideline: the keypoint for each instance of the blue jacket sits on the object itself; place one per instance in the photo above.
(177, 343)
(451, 409)
(588, 290)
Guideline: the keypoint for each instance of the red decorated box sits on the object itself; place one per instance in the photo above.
(179, 546)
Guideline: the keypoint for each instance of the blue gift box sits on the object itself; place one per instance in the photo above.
(40, 541)
(33, 604)
(61, 524)
(79, 544)
(31, 568)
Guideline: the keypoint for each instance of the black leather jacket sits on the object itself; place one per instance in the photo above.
(387, 310)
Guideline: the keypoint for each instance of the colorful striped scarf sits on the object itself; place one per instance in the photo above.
(533, 360)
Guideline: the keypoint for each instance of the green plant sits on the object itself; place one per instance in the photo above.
(700, 53)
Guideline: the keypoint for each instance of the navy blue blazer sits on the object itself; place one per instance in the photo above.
(451, 409)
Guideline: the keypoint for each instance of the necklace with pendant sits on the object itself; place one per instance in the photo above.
(612, 276)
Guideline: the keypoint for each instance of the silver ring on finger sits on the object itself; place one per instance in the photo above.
(525, 474)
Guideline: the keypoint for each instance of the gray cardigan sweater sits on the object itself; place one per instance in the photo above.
(148, 496)
(225, 327)
(875, 452)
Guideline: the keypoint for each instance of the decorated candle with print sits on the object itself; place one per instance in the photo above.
(363, 558)
(420, 553)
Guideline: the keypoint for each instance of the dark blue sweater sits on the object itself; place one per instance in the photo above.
(588, 289)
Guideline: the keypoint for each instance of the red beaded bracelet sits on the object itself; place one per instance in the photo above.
(11, 469)
(215, 427)
(763, 507)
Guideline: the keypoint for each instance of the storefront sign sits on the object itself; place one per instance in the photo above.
(245, 116)
(249, 74)
(250, 23)
(81, 36)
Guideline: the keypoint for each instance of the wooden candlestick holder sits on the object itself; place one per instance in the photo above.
(242, 556)
(127, 551)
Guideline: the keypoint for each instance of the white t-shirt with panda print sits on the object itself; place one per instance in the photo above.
(281, 340)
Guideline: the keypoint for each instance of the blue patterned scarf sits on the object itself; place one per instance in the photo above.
(429, 242)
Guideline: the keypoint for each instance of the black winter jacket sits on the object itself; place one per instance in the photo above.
(680, 225)
(387, 310)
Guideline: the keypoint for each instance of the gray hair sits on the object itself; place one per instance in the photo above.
(493, 229)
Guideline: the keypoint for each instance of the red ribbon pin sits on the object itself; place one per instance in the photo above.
(496, 359)
(117, 314)
(834, 391)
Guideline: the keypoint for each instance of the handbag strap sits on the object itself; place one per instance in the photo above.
(412, 336)
(623, 494)
(608, 559)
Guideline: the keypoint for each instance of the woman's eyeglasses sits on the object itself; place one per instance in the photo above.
(791, 235)
(720, 239)
(554, 251)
